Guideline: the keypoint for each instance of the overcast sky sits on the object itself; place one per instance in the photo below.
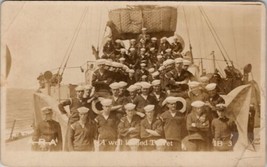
(38, 35)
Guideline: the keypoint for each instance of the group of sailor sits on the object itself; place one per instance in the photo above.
(155, 103)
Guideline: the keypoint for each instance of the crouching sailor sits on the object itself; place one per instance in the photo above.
(47, 134)
(224, 130)
(82, 133)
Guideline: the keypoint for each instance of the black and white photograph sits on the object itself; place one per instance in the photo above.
(133, 83)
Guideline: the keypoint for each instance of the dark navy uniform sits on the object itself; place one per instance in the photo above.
(48, 130)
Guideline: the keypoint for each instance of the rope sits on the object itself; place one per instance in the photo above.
(213, 35)
(74, 39)
(216, 34)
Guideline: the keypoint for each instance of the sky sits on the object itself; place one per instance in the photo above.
(39, 34)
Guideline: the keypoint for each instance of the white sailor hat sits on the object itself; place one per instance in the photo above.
(159, 56)
(179, 60)
(143, 64)
(132, 49)
(144, 29)
(193, 84)
(186, 62)
(143, 49)
(211, 86)
(149, 108)
(47, 110)
(129, 106)
(133, 40)
(170, 100)
(154, 74)
(100, 61)
(86, 87)
(138, 85)
(144, 77)
(82, 110)
(116, 64)
(164, 38)
(161, 68)
(155, 82)
(151, 49)
(122, 59)
(145, 85)
(153, 38)
(197, 104)
(106, 102)
(123, 50)
(168, 50)
(220, 107)
(79, 88)
(122, 84)
(132, 88)
(131, 71)
(203, 79)
(168, 62)
(114, 85)
(118, 41)
(151, 70)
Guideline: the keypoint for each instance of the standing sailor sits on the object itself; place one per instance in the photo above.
(82, 133)
(47, 134)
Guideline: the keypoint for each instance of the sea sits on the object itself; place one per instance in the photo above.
(19, 108)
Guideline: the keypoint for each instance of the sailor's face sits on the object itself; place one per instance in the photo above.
(48, 116)
(220, 113)
(179, 65)
(130, 113)
(185, 67)
(83, 117)
(172, 106)
(106, 109)
(149, 114)
(212, 92)
(198, 110)
(101, 66)
(156, 88)
(115, 92)
(145, 91)
(80, 93)
(132, 94)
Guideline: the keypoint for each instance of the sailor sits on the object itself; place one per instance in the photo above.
(108, 49)
(178, 78)
(177, 47)
(159, 61)
(133, 44)
(116, 98)
(159, 94)
(164, 44)
(140, 72)
(213, 99)
(107, 124)
(141, 45)
(168, 54)
(154, 44)
(88, 97)
(155, 75)
(196, 92)
(186, 64)
(198, 127)
(118, 46)
(82, 132)
(173, 122)
(149, 77)
(132, 59)
(130, 78)
(152, 56)
(129, 127)
(144, 36)
(73, 104)
(145, 97)
(122, 89)
(143, 56)
(101, 75)
(47, 134)
(224, 130)
(251, 121)
(151, 129)
(132, 89)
